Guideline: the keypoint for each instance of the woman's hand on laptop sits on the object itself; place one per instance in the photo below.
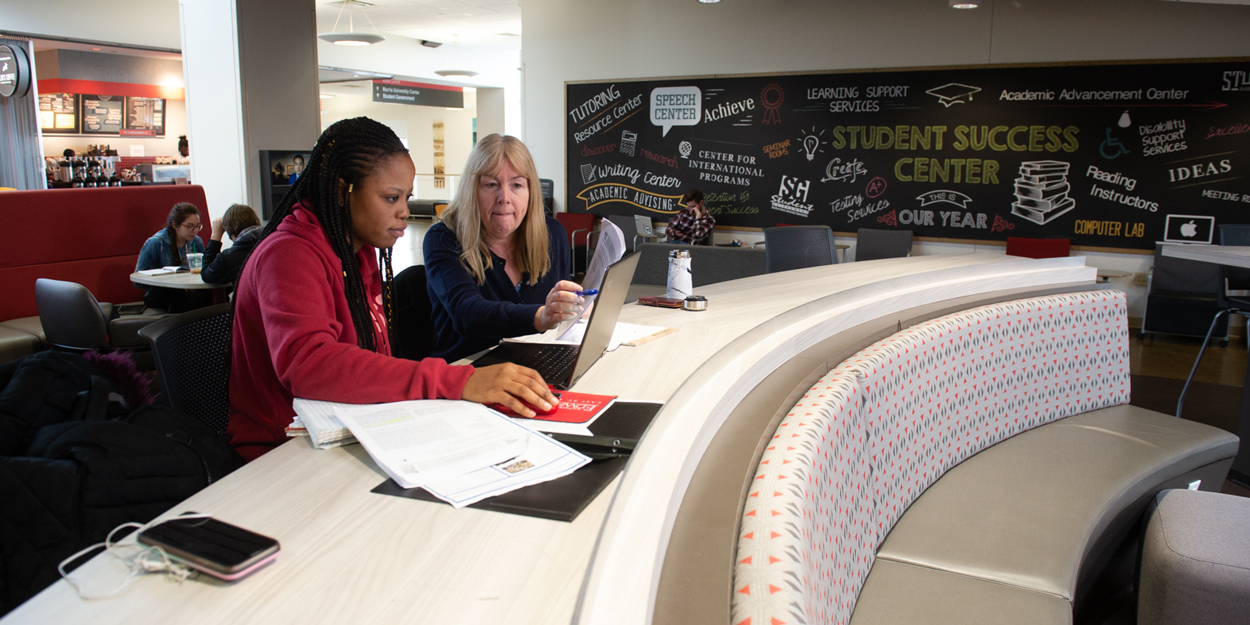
(563, 304)
(511, 385)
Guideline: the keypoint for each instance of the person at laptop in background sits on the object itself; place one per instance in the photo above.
(693, 223)
(313, 306)
(495, 263)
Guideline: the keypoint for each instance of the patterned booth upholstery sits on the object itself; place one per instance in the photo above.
(884, 425)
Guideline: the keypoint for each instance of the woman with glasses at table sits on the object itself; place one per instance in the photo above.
(169, 248)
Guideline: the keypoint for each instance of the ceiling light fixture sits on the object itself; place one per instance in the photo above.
(709, 1)
(965, 4)
(351, 37)
(430, 44)
(455, 73)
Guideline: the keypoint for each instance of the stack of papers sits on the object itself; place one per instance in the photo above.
(318, 420)
(461, 452)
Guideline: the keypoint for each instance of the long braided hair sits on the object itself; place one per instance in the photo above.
(346, 153)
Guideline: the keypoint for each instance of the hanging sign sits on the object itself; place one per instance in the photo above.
(403, 92)
(14, 72)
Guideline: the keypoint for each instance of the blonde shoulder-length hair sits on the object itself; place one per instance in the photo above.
(464, 217)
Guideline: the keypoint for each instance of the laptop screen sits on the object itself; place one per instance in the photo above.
(607, 310)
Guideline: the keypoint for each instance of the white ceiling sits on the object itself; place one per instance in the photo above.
(476, 23)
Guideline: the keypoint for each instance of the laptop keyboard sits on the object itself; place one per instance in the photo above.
(553, 362)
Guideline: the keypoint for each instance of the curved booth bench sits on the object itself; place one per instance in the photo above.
(658, 545)
(849, 482)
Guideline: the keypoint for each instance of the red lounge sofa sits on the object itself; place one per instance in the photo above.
(88, 236)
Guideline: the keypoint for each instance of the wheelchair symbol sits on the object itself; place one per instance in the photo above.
(1111, 147)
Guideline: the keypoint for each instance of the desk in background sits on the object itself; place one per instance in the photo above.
(351, 556)
(1231, 256)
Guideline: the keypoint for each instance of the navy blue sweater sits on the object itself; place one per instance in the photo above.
(469, 317)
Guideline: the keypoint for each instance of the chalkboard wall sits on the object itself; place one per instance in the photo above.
(1113, 156)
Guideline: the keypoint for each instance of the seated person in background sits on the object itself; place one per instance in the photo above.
(313, 309)
(243, 226)
(693, 223)
(169, 248)
(494, 263)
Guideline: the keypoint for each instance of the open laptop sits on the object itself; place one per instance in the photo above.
(561, 365)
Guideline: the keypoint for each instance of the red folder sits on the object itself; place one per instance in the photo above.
(573, 408)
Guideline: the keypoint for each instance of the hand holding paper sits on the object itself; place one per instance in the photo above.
(610, 249)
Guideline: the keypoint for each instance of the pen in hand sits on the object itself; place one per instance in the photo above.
(587, 292)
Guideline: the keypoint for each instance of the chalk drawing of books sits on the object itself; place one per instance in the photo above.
(1042, 191)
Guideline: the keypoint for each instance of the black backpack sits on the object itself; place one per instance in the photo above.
(78, 461)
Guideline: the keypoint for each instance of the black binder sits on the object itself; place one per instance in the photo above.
(613, 436)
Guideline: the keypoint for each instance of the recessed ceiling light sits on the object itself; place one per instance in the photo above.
(455, 73)
(709, 1)
(965, 4)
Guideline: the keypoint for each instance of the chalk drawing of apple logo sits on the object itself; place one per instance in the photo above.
(1189, 229)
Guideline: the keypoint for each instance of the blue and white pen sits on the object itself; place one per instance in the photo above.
(587, 292)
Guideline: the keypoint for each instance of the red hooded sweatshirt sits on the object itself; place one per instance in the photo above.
(293, 337)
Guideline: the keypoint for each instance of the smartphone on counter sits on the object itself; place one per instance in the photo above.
(215, 547)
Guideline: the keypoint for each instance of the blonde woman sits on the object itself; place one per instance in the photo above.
(494, 264)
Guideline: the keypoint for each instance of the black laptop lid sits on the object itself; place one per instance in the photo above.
(605, 313)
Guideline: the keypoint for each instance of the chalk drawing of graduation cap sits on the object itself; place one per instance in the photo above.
(953, 93)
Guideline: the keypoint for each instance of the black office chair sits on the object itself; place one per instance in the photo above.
(193, 362)
(872, 244)
(1182, 296)
(1236, 279)
(74, 321)
(797, 247)
(414, 330)
(1235, 283)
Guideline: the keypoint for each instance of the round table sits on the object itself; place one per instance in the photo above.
(180, 280)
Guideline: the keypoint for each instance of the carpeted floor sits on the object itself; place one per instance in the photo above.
(1213, 404)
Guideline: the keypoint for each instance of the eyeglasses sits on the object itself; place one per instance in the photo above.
(196, 226)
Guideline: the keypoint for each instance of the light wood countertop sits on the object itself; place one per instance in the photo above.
(351, 556)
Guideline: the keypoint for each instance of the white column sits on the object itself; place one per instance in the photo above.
(250, 70)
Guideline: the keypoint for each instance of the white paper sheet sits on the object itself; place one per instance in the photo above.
(417, 442)
(622, 333)
(159, 271)
(610, 249)
(544, 459)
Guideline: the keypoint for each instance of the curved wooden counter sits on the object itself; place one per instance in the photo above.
(352, 556)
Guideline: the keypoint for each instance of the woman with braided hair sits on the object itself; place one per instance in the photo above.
(313, 306)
